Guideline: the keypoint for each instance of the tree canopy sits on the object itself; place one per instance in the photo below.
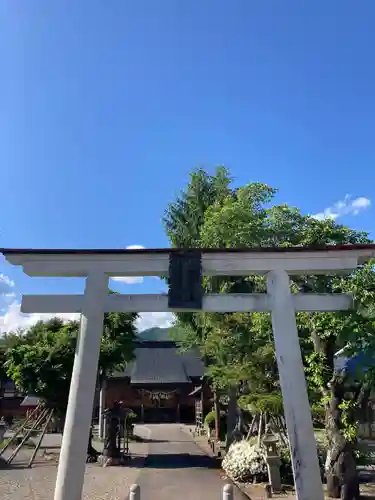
(40, 361)
(238, 348)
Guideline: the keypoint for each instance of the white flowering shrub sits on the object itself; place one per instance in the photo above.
(244, 461)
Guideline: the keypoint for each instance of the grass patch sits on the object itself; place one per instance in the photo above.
(132, 439)
(27, 444)
(4, 443)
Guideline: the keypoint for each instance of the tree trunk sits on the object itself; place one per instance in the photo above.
(342, 477)
(231, 416)
(341, 467)
(241, 424)
(217, 414)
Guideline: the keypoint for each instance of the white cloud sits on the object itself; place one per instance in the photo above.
(7, 295)
(347, 206)
(134, 247)
(130, 280)
(152, 319)
(6, 284)
(11, 318)
(14, 319)
(361, 203)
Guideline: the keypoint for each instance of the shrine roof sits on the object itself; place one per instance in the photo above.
(116, 251)
(160, 362)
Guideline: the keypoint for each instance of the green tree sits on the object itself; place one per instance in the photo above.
(41, 361)
(7, 340)
(322, 334)
(344, 394)
(117, 342)
(244, 218)
(200, 229)
(182, 221)
(3, 358)
(184, 217)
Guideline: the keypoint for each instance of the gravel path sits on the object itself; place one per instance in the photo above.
(38, 483)
(169, 464)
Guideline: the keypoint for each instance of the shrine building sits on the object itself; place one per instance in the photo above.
(161, 384)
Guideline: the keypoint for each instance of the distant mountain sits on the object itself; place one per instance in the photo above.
(161, 334)
(156, 334)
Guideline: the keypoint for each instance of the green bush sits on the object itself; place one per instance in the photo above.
(364, 457)
(131, 416)
(286, 470)
(209, 420)
(318, 415)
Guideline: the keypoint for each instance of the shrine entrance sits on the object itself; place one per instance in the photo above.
(185, 269)
(156, 384)
(162, 406)
(158, 415)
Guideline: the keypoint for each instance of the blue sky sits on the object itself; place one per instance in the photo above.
(106, 106)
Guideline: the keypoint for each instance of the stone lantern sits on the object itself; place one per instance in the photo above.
(273, 461)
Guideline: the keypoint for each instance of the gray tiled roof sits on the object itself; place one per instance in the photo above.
(193, 363)
(162, 363)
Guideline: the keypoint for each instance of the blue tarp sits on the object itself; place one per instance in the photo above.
(356, 364)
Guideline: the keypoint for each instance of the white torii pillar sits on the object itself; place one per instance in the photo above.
(98, 265)
(72, 462)
(297, 410)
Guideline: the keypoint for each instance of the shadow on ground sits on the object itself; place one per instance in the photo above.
(181, 461)
(150, 440)
(24, 465)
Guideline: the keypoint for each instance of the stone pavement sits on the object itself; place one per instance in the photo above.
(177, 468)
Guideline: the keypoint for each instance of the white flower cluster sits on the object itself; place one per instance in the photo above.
(244, 461)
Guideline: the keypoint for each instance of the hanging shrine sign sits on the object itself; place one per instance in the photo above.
(185, 280)
(158, 395)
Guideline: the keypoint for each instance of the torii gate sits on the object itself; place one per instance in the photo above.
(97, 266)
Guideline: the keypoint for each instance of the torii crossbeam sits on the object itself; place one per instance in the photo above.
(97, 266)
